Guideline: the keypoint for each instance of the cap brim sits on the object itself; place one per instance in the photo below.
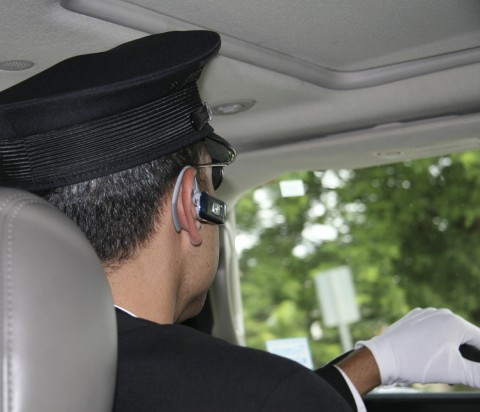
(219, 149)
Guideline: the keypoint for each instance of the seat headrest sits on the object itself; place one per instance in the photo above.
(59, 339)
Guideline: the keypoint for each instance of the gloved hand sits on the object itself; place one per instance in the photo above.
(423, 347)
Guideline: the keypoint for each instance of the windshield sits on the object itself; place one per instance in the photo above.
(331, 257)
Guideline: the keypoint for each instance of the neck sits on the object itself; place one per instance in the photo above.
(148, 284)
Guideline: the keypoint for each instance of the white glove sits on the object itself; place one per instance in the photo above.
(423, 347)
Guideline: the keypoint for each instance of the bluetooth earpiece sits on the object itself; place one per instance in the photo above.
(209, 209)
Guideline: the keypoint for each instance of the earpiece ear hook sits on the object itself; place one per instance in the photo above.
(176, 191)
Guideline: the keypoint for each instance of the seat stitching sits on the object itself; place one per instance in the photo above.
(11, 198)
(9, 294)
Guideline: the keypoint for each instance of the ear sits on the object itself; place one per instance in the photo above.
(187, 213)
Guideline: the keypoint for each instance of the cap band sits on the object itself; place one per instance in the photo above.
(85, 151)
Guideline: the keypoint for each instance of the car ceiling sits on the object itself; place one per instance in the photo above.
(335, 83)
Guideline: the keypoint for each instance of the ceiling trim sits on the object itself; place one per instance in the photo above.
(354, 150)
(150, 21)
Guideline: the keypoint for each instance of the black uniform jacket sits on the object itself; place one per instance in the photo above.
(177, 368)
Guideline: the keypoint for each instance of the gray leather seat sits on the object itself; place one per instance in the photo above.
(58, 328)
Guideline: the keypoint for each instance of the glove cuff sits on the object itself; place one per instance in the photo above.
(384, 357)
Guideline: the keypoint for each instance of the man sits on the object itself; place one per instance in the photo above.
(120, 142)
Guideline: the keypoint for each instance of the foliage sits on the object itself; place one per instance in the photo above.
(410, 233)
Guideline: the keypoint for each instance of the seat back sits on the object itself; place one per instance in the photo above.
(57, 321)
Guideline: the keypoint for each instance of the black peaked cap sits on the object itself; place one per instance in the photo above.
(97, 114)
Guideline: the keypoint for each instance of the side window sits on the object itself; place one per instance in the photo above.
(407, 235)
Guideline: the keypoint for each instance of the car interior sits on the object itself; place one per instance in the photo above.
(297, 86)
(52, 282)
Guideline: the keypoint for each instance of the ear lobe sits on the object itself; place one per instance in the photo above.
(187, 213)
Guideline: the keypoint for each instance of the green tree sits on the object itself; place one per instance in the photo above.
(409, 232)
(424, 217)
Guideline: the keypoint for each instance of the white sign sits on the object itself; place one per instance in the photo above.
(296, 349)
(336, 294)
